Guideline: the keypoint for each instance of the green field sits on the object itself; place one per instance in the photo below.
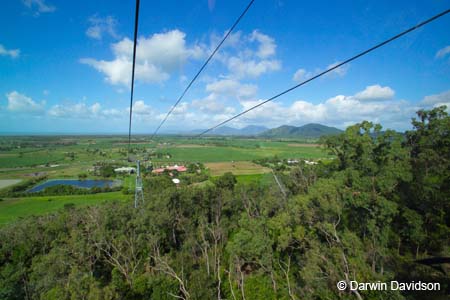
(255, 178)
(25, 158)
(12, 209)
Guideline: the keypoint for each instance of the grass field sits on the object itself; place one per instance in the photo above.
(27, 157)
(263, 179)
(8, 182)
(237, 168)
(12, 209)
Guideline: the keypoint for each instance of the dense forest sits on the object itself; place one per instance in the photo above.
(369, 215)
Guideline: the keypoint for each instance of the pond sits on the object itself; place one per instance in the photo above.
(86, 184)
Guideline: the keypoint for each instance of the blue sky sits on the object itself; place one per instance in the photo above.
(65, 65)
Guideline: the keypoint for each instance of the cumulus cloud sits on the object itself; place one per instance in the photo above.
(375, 93)
(341, 71)
(76, 111)
(443, 52)
(233, 88)
(301, 75)
(267, 44)
(339, 111)
(142, 109)
(221, 93)
(212, 104)
(100, 26)
(437, 100)
(247, 55)
(20, 103)
(39, 6)
(156, 57)
(13, 53)
(251, 68)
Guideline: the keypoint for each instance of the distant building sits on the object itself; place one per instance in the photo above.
(170, 168)
(310, 162)
(125, 170)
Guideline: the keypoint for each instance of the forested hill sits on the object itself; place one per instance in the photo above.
(311, 130)
(366, 216)
(250, 130)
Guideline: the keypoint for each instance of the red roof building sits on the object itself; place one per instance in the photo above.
(170, 168)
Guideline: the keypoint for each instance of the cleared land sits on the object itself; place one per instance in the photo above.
(303, 145)
(8, 182)
(237, 168)
(24, 158)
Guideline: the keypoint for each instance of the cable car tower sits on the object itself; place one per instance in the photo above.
(138, 191)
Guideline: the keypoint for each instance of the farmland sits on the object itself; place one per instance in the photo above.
(13, 209)
(25, 159)
(263, 212)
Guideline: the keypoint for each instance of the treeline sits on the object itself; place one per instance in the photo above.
(381, 205)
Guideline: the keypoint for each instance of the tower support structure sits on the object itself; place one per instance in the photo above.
(138, 191)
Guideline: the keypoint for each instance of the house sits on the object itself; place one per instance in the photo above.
(123, 170)
(170, 168)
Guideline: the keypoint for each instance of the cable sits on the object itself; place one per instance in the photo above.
(136, 20)
(329, 70)
(203, 66)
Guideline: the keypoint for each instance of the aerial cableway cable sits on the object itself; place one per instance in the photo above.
(329, 70)
(203, 66)
(136, 20)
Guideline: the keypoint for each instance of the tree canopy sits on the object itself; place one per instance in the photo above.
(368, 216)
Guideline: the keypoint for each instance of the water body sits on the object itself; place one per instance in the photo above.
(86, 184)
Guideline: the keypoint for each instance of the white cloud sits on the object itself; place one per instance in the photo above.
(13, 53)
(339, 111)
(267, 44)
(156, 57)
(247, 55)
(375, 93)
(142, 109)
(341, 71)
(222, 93)
(181, 108)
(242, 68)
(22, 104)
(113, 113)
(443, 52)
(100, 26)
(233, 88)
(211, 104)
(118, 71)
(437, 100)
(76, 111)
(301, 75)
(39, 6)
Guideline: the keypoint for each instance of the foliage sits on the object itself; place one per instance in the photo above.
(366, 216)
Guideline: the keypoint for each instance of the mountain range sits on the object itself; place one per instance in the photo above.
(311, 130)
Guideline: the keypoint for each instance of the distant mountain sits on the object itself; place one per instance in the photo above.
(225, 130)
(253, 130)
(311, 130)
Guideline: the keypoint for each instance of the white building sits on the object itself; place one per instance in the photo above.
(123, 170)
